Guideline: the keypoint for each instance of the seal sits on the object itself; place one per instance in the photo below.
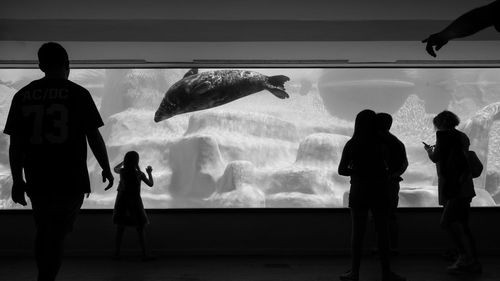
(198, 91)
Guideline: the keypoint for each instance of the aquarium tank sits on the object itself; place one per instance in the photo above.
(262, 151)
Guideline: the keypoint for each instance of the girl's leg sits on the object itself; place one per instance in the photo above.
(140, 232)
(120, 229)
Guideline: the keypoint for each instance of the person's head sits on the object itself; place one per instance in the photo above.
(53, 59)
(445, 120)
(384, 121)
(131, 160)
(364, 125)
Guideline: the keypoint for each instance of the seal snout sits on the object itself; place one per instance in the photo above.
(160, 116)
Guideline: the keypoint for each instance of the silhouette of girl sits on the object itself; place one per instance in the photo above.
(129, 210)
(364, 160)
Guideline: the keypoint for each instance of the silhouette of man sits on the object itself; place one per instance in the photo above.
(465, 25)
(397, 164)
(49, 123)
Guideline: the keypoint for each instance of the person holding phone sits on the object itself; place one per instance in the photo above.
(455, 189)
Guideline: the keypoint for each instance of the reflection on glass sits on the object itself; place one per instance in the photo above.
(261, 151)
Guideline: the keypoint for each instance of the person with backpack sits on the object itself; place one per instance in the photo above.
(455, 188)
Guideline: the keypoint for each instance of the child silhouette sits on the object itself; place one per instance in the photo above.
(129, 210)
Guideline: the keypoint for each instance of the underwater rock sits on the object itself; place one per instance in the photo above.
(236, 188)
(411, 123)
(262, 139)
(477, 129)
(312, 179)
(492, 182)
(248, 123)
(301, 200)
(421, 171)
(426, 196)
(321, 149)
(196, 165)
(482, 199)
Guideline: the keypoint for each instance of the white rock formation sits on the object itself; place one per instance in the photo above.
(478, 129)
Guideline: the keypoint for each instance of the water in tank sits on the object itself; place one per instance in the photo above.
(275, 139)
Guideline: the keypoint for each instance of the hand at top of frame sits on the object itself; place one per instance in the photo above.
(434, 43)
(149, 169)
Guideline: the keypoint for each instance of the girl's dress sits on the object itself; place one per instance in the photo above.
(129, 210)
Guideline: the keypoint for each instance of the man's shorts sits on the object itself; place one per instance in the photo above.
(456, 210)
(56, 212)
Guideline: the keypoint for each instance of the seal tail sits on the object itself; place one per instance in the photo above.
(276, 85)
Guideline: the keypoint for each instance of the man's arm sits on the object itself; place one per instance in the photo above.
(16, 159)
(465, 25)
(98, 147)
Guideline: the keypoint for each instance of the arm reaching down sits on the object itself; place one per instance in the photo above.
(98, 147)
(16, 158)
(465, 25)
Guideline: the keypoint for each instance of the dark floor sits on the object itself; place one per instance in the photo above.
(415, 268)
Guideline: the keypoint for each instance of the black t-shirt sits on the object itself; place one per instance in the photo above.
(52, 117)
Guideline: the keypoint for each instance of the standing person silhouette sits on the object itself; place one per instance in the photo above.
(397, 164)
(364, 160)
(129, 210)
(49, 123)
(455, 189)
(467, 24)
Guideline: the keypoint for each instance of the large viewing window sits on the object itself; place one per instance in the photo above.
(260, 151)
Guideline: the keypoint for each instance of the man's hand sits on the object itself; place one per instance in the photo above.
(18, 190)
(106, 175)
(436, 40)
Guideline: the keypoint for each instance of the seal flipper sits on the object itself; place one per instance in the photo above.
(276, 85)
(192, 71)
(201, 88)
(279, 93)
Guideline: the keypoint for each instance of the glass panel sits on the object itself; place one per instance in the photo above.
(261, 151)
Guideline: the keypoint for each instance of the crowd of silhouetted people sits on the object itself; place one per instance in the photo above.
(52, 119)
(375, 160)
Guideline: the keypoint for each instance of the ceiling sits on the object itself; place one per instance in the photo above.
(179, 30)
